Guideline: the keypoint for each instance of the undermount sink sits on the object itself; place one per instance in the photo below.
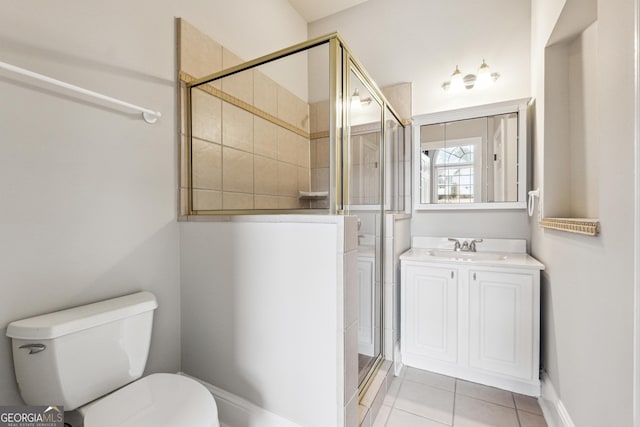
(467, 256)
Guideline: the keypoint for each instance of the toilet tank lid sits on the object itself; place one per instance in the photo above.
(59, 323)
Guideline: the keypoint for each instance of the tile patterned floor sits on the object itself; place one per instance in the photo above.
(419, 398)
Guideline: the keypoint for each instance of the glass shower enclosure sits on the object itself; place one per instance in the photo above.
(302, 130)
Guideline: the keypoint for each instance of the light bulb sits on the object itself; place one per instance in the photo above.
(483, 79)
(356, 103)
(457, 83)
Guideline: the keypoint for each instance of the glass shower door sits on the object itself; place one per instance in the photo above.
(364, 158)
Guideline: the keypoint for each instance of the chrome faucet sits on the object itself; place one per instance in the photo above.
(456, 246)
(465, 246)
(472, 245)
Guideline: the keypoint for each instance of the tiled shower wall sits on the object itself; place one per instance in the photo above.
(250, 135)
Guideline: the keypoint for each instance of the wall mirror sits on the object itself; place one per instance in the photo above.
(472, 158)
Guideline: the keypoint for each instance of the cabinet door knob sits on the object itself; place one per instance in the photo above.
(452, 274)
(474, 276)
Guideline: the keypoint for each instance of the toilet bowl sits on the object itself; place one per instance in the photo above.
(91, 358)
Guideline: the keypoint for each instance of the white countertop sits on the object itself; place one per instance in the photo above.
(502, 259)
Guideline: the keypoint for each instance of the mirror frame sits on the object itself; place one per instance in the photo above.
(519, 106)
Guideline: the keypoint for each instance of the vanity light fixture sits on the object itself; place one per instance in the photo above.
(482, 79)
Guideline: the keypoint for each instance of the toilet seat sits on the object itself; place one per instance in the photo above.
(157, 400)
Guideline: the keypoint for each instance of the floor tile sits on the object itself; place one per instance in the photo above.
(383, 415)
(483, 392)
(527, 419)
(392, 391)
(399, 418)
(420, 398)
(429, 378)
(426, 401)
(470, 412)
(403, 370)
(527, 403)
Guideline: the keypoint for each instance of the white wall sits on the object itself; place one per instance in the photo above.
(267, 314)
(89, 190)
(583, 73)
(587, 292)
(421, 41)
(571, 124)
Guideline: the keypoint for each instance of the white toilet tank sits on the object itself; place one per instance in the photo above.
(74, 356)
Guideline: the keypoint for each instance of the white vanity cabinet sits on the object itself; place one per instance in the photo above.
(430, 312)
(504, 322)
(477, 319)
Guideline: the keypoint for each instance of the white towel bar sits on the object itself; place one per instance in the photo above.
(148, 115)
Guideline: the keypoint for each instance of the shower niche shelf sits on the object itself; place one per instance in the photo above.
(571, 132)
(313, 195)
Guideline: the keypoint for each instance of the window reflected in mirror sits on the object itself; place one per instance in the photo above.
(469, 161)
(454, 170)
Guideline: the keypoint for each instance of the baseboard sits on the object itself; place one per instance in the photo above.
(553, 409)
(236, 411)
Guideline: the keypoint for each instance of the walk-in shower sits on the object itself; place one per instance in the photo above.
(302, 130)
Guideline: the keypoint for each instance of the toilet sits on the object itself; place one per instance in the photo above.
(91, 358)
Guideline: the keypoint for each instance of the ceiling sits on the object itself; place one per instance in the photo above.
(312, 10)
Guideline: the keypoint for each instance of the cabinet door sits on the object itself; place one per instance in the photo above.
(501, 323)
(431, 314)
(366, 294)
